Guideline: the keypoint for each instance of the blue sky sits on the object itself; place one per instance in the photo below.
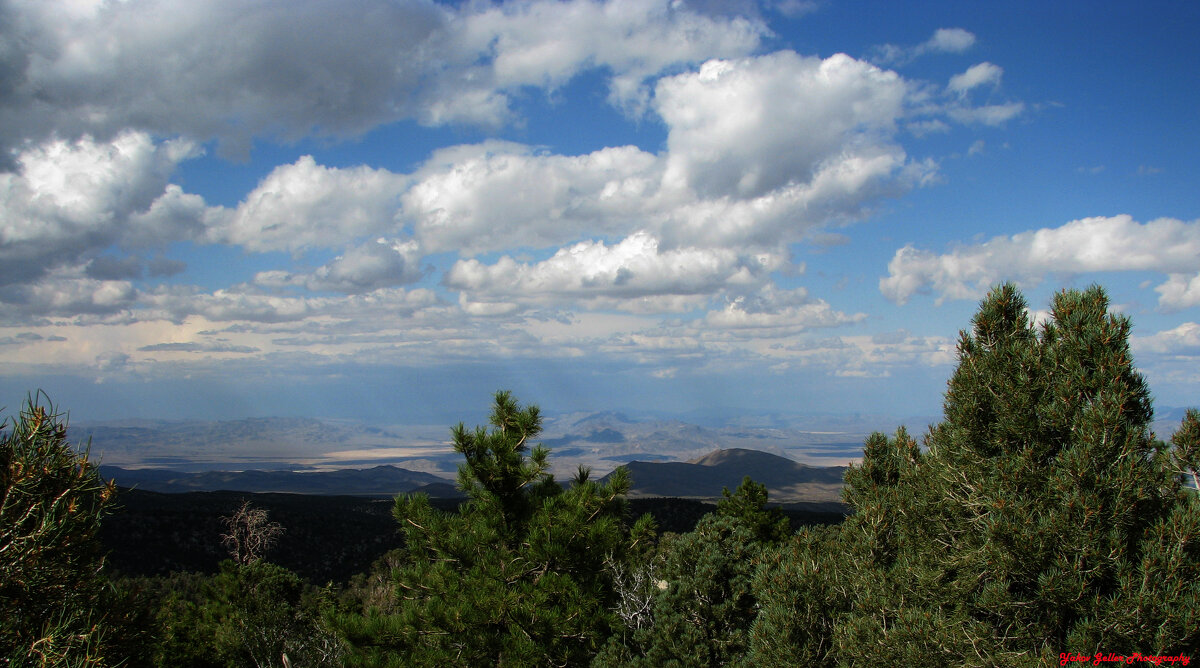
(386, 210)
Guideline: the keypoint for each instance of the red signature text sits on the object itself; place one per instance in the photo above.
(1097, 659)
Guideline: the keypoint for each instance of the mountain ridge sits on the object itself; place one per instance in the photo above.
(704, 477)
(786, 480)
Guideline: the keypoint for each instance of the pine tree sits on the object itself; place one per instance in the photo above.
(51, 502)
(516, 576)
(1041, 518)
(703, 604)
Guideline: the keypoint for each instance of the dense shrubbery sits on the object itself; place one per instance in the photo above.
(1039, 517)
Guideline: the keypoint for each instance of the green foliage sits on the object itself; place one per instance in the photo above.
(516, 577)
(748, 504)
(1040, 519)
(700, 601)
(245, 615)
(1186, 451)
(51, 502)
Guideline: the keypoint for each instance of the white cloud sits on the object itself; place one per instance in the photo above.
(305, 205)
(796, 8)
(950, 40)
(223, 68)
(1179, 291)
(1183, 340)
(546, 43)
(975, 76)
(228, 70)
(822, 152)
(68, 293)
(68, 200)
(868, 356)
(990, 114)
(247, 303)
(943, 40)
(624, 275)
(359, 270)
(760, 151)
(1099, 244)
(232, 304)
(500, 195)
(773, 312)
(744, 128)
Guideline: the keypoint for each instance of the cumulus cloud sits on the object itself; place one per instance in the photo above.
(305, 205)
(500, 195)
(975, 76)
(227, 70)
(1179, 291)
(624, 275)
(66, 293)
(774, 312)
(107, 267)
(950, 40)
(760, 151)
(546, 43)
(360, 269)
(220, 69)
(178, 303)
(743, 128)
(1116, 243)
(943, 40)
(1183, 340)
(69, 199)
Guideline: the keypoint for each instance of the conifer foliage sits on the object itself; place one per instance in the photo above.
(1041, 517)
(702, 603)
(51, 502)
(516, 576)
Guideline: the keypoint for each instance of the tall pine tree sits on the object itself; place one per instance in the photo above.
(516, 576)
(1042, 516)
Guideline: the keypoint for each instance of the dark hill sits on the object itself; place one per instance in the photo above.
(325, 537)
(704, 478)
(377, 481)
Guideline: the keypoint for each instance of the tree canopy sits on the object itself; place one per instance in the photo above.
(1041, 516)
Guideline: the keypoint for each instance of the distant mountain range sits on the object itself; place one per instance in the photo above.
(602, 441)
(787, 481)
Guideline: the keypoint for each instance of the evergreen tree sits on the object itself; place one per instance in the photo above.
(516, 576)
(51, 502)
(1041, 518)
(748, 505)
(702, 604)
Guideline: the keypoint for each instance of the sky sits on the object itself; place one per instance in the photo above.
(388, 209)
